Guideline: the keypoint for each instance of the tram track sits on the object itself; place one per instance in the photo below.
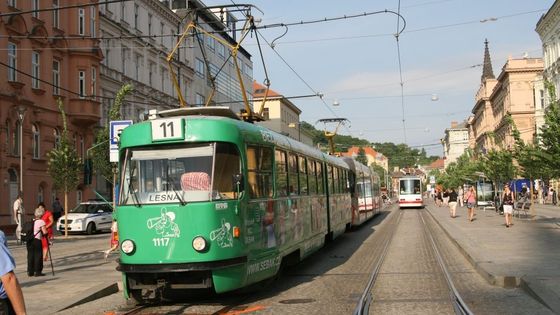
(425, 270)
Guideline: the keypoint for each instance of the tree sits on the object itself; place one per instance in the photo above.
(362, 158)
(498, 166)
(100, 150)
(64, 165)
(550, 133)
(381, 173)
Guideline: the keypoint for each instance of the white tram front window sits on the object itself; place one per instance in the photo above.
(179, 174)
(410, 187)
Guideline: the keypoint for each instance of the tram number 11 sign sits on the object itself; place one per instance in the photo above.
(167, 129)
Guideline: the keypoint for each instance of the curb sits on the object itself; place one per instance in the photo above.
(541, 293)
(91, 294)
(497, 280)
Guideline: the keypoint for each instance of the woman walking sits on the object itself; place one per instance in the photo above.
(452, 202)
(471, 203)
(507, 201)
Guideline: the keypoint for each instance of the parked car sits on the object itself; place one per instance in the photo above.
(89, 217)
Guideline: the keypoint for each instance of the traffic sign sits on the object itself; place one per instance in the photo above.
(115, 129)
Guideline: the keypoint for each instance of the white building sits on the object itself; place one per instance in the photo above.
(138, 35)
(548, 29)
(455, 142)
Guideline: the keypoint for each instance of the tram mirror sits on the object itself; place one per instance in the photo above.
(238, 182)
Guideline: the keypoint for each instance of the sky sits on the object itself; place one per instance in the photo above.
(355, 62)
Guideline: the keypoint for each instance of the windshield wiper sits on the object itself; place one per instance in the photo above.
(135, 198)
(170, 180)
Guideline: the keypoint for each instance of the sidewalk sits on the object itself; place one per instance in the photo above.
(80, 272)
(526, 254)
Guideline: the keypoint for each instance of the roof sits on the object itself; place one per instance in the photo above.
(439, 163)
(259, 90)
(352, 151)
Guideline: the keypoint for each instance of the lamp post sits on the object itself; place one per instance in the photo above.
(21, 114)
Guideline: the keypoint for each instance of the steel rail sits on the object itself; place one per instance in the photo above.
(459, 304)
(365, 299)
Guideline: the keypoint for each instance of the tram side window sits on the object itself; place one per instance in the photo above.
(303, 186)
(312, 175)
(330, 181)
(281, 174)
(259, 171)
(336, 181)
(293, 174)
(320, 183)
(227, 164)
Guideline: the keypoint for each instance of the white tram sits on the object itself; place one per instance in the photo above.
(410, 192)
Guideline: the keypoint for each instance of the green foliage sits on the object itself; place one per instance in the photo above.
(532, 160)
(64, 165)
(362, 158)
(381, 173)
(100, 151)
(550, 134)
(401, 155)
(498, 166)
(465, 169)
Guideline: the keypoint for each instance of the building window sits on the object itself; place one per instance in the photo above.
(124, 54)
(8, 129)
(56, 15)
(151, 74)
(93, 81)
(56, 77)
(12, 3)
(12, 62)
(137, 67)
(199, 67)
(210, 42)
(221, 50)
(35, 7)
(541, 98)
(40, 194)
(15, 140)
(81, 21)
(82, 147)
(36, 141)
(123, 11)
(163, 76)
(56, 134)
(92, 23)
(136, 9)
(149, 25)
(35, 70)
(199, 100)
(161, 27)
(79, 196)
(266, 114)
(82, 83)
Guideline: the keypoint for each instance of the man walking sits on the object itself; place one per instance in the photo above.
(11, 297)
(18, 211)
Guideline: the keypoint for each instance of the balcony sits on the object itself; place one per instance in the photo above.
(83, 112)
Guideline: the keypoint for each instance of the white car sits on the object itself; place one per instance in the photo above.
(89, 217)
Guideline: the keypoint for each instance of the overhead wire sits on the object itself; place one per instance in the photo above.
(400, 71)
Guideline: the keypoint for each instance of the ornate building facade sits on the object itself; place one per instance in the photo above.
(50, 55)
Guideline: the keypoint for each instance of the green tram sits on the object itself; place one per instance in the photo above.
(209, 202)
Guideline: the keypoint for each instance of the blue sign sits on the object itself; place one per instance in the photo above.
(115, 129)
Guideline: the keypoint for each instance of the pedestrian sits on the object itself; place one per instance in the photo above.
(49, 221)
(57, 209)
(507, 201)
(18, 213)
(554, 197)
(114, 238)
(446, 197)
(11, 296)
(461, 196)
(452, 202)
(471, 203)
(439, 197)
(35, 247)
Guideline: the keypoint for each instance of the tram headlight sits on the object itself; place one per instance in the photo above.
(199, 244)
(127, 246)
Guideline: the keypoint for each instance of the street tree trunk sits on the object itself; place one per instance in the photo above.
(65, 213)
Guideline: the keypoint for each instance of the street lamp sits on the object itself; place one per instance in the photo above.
(21, 114)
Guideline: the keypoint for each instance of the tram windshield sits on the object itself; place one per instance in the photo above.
(179, 174)
(410, 186)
